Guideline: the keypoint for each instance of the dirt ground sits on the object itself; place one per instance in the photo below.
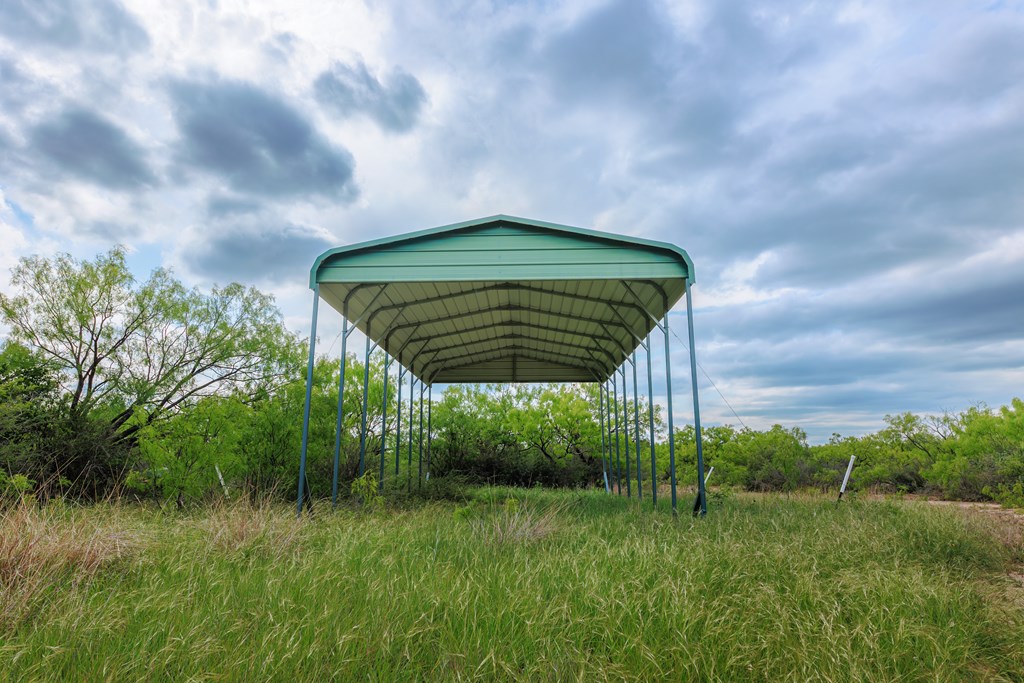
(1009, 527)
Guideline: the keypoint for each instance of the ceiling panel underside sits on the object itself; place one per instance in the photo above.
(505, 299)
(507, 331)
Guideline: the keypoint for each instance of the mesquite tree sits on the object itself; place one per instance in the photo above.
(131, 353)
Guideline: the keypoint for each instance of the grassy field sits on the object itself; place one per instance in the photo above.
(512, 585)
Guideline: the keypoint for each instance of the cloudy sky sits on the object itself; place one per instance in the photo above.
(847, 176)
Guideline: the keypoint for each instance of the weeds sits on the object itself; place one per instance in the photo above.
(517, 585)
(244, 524)
(44, 550)
(514, 523)
(366, 491)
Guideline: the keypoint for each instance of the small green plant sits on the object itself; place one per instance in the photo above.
(137, 481)
(18, 483)
(365, 489)
(718, 495)
(17, 487)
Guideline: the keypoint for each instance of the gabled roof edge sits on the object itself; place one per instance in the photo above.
(454, 227)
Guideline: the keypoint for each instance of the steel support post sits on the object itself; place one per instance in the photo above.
(384, 423)
(398, 420)
(608, 428)
(430, 406)
(671, 427)
(366, 391)
(341, 400)
(412, 403)
(600, 419)
(309, 398)
(625, 427)
(636, 431)
(650, 416)
(419, 477)
(618, 456)
(701, 505)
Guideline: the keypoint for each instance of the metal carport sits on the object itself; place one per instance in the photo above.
(505, 299)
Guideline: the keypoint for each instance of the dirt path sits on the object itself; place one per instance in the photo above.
(1008, 526)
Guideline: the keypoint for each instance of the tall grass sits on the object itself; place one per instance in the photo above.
(43, 551)
(534, 585)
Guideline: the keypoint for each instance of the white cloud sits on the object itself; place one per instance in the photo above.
(845, 177)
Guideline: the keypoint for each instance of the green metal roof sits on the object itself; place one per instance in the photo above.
(504, 299)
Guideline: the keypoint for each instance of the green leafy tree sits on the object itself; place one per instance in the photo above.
(186, 455)
(130, 354)
(986, 457)
(147, 348)
(29, 407)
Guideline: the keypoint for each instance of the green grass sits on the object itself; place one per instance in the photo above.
(555, 586)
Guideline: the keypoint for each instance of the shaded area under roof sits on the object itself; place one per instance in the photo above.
(504, 299)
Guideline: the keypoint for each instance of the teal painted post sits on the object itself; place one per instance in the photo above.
(412, 402)
(625, 428)
(419, 449)
(366, 390)
(430, 406)
(604, 450)
(702, 499)
(618, 453)
(671, 428)
(636, 431)
(309, 399)
(608, 428)
(398, 422)
(384, 423)
(341, 399)
(650, 416)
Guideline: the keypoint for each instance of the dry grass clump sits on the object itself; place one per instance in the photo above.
(515, 523)
(244, 524)
(41, 548)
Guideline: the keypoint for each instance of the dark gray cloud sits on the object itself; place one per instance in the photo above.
(348, 90)
(83, 144)
(96, 25)
(928, 312)
(256, 249)
(219, 206)
(621, 50)
(868, 162)
(257, 142)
